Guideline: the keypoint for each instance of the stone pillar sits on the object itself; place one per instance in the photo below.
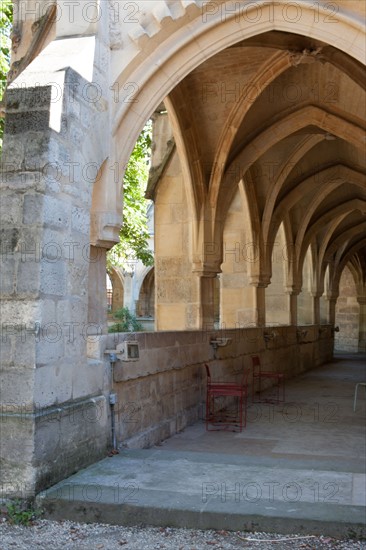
(97, 304)
(207, 306)
(177, 294)
(332, 302)
(177, 287)
(316, 307)
(259, 304)
(362, 325)
(292, 306)
(53, 407)
(128, 294)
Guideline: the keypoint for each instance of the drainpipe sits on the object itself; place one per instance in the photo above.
(112, 402)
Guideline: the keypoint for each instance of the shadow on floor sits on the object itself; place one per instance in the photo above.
(297, 467)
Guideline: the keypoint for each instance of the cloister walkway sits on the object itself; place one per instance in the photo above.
(298, 467)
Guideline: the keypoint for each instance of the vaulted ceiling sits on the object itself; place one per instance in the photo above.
(284, 115)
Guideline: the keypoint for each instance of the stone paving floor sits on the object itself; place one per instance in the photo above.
(296, 467)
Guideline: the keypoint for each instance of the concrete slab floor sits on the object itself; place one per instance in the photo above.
(296, 467)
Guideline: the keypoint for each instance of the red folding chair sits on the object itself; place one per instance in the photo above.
(220, 417)
(258, 374)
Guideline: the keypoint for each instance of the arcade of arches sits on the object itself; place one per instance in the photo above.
(258, 181)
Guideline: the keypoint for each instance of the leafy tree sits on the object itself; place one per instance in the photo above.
(134, 235)
(127, 322)
(6, 20)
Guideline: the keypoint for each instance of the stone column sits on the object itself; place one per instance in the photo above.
(316, 307)
(177, 293)
(362, 324)
(332, 302)
(97, 304)
(207, 307)
(292, 307)
(128, 297)
(260, 304)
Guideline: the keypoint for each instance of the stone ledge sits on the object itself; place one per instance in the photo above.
(52, 413)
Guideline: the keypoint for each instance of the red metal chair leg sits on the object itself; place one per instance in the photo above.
(226, 389)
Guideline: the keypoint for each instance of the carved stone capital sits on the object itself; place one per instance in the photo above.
(104, 229)
(206, 270)
(293, 290)
(260, 281)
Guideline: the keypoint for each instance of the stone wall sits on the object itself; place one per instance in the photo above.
(164, 391)
(176, 287)
(347, 315)
(49, 391)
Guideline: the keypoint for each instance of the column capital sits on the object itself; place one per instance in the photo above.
(105, 228)
(260, 281)
(206, 270)
(332, 297)
(209, 274)
(293, 290)
(361, 300)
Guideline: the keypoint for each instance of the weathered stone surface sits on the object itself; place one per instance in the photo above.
(32, 209)
(80, 220)
(10, 209)
(13, 377)
(53, 278)
(263, 185)
(28, 278)
(56, 213)
(9, 239)
(7, 279)
(19, 313)
(37, 120)
(16, 460)
(25, 99)
(348, 315)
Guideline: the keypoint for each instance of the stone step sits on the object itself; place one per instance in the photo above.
(213, 491)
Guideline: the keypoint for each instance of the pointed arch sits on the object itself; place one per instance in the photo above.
(176, 53)
(348, 175)
(289, 123)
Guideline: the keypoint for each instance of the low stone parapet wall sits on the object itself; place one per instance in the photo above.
(163, 390)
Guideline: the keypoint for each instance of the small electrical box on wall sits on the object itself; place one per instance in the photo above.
(129, 350)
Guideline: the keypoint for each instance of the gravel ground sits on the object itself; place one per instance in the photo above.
(66, 535)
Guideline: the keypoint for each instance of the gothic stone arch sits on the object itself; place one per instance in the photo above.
(74, 110)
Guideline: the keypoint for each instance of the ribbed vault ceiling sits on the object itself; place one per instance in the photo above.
(285, 115)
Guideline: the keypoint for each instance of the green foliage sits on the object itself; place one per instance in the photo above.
(134, 234)
(6, 19)
(21, 512)
(127, 322)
